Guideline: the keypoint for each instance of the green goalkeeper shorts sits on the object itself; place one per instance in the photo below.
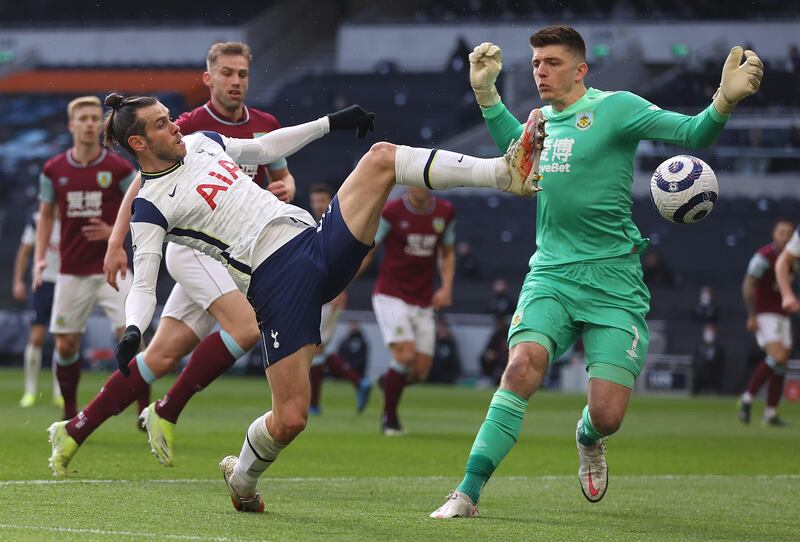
(604, 302)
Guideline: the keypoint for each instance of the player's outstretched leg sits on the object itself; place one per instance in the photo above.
(160, 434)
(760, 375)
(592, 469)
(116, 394)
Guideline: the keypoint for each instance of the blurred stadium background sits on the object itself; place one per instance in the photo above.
(407, 62)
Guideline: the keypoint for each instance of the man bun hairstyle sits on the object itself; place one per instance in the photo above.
(560, 35)
(122, 121)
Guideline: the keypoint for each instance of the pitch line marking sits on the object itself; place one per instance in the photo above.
(340, 479)
(155, 536)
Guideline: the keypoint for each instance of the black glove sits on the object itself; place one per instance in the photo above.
(127, 348)
(353, 117)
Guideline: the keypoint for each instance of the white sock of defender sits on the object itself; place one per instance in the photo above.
(56, 386)
(436, 169)
(258, 453)
(33, 363)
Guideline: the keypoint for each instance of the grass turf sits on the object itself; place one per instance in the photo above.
(679, 469)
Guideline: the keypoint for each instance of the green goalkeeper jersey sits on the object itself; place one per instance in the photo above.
(584, 208)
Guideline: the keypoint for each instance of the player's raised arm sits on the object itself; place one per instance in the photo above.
(640, 119)
(485, 64)
(148, 229)
(286, 141)
(116, 259)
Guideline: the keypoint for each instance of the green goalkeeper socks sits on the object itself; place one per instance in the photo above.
(589, 435)
(496, 437)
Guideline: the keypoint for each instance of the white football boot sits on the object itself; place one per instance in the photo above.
(593, 470)
(249, 503)
(523, 155)
(457, 505)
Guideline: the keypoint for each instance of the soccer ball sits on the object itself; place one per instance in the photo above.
(684, 189)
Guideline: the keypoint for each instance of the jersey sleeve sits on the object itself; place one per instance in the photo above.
(148, 229)
(449, 236)
(276, 145)
(384, 227)
(640, 119)
(758, 265)
(28, 235)
(503, 126)
(47, 191)
(793, 246)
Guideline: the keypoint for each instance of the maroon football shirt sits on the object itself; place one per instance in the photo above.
(81, 193)
(253, 123)
(767, 294)
(411, 248)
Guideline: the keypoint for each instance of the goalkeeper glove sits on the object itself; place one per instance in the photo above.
(738, 80)
(485, 63)
(353, 117)
(127, 348)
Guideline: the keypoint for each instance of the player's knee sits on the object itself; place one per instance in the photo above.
(67, 347)
(522, 375)
(247, 335)
(381, 157)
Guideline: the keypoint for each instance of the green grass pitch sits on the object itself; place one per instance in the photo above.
(680, 469)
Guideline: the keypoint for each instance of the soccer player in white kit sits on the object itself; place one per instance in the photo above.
(41, 305)
(289, 265)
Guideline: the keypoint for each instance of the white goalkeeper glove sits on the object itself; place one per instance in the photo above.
(738, 80)
(485, 63)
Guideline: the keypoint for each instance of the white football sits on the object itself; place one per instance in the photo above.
(684, 189)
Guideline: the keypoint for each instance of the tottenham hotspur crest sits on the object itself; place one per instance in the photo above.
(583, 120)
(274, 335)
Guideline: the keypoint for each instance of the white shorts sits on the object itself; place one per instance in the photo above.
(76, 295)
(773, 328)
(201, 280)
(329, 320)
(401, 322)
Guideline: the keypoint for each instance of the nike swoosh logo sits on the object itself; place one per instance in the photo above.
(173, 191)
(592, 490)
(462, 157)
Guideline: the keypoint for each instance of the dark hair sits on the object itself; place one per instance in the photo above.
(122, 121)
(560, 35)
(783, 220)
(317, 188)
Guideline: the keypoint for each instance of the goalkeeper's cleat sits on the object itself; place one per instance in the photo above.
(159, 434)
(773, 421)
(744, 412)
(251, 503)
(593, 470)
(63, 448)
(457, 505)
(362, 394)
(523, 156)
(28, 400)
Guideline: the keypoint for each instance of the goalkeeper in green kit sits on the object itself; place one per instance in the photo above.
(585, 278)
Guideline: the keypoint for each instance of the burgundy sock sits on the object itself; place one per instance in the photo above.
(143, 400)
(775, 390)
(68, 377)
(760, 375)
(339, 367)
(393, 384)
(210, 359)
(315, 375)
(117, 393)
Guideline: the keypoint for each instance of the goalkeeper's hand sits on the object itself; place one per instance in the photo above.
(127, 348)
(353, 117)
(485, 63)
(738, 80)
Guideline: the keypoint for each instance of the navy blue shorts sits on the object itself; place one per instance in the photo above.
(289, 288)
(42, 304)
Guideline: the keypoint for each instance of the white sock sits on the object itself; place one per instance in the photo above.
(437, 169)
(33, 363)
(56, 386)
(747, 398)
(770, 412)
(259, 450)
